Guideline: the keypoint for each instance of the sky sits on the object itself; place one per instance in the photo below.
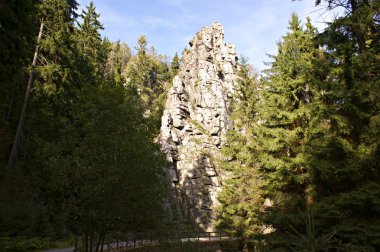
(254, 26)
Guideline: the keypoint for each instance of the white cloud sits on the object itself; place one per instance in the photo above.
(157, 22)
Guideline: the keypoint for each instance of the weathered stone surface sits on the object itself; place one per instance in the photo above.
(195, 122)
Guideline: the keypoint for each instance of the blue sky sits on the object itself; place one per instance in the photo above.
(254, 26)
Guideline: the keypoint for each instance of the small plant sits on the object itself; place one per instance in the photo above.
(197, 141)
(198, 126)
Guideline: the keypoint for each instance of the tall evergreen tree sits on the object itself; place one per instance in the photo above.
(90, 44)
(241, 198)
(348, 183)
(175, 64)
(272, 155)
(289, 103)
(18, 36)
(94, 158)
(140, 73)
(88, 162)
(23, 199)
(150, 74)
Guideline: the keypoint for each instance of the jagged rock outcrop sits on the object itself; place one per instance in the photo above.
(195, 122)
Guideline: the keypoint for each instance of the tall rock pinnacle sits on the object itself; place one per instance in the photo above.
(195, 122)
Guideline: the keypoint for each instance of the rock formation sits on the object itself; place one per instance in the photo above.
(195, 122)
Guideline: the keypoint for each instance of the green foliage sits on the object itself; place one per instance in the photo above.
(119, 55)
(150, 74)
(88, 163)
(304, 150)
(23, 243)
(88, 38)
(295, 116)
(105, 157)
(25, 220)
(307, 143)
(240, 197)
(17, 32)
(175, 64)
(95, 157)
(350, 186)
(141, 72)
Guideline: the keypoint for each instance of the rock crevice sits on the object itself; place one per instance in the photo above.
(195, 122)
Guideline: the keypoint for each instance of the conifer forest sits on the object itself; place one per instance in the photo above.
(100, 139)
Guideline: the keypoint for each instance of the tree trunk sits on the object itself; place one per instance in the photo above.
(98, 242)
(16, 142)
(91, 241)
(76, 244)
(102, 243)
(85, 243)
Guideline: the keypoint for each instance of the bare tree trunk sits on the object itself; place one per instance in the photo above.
(98, 242)
(103, 238)
(16, 142)
(91, 241)
(76, 244)
(86, 242)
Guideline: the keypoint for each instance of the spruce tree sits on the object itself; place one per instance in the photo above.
(175, 64)
(150, 74)
(25, 186)
(88, 162)
(90, 44)
(140, 73)
(18, 38)
(348, 184)
(288, 104)
(241, 198)
(92, 166)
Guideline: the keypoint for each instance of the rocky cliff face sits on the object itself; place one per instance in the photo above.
(195, 122)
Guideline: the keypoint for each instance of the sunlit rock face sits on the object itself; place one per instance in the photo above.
(195, 122)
